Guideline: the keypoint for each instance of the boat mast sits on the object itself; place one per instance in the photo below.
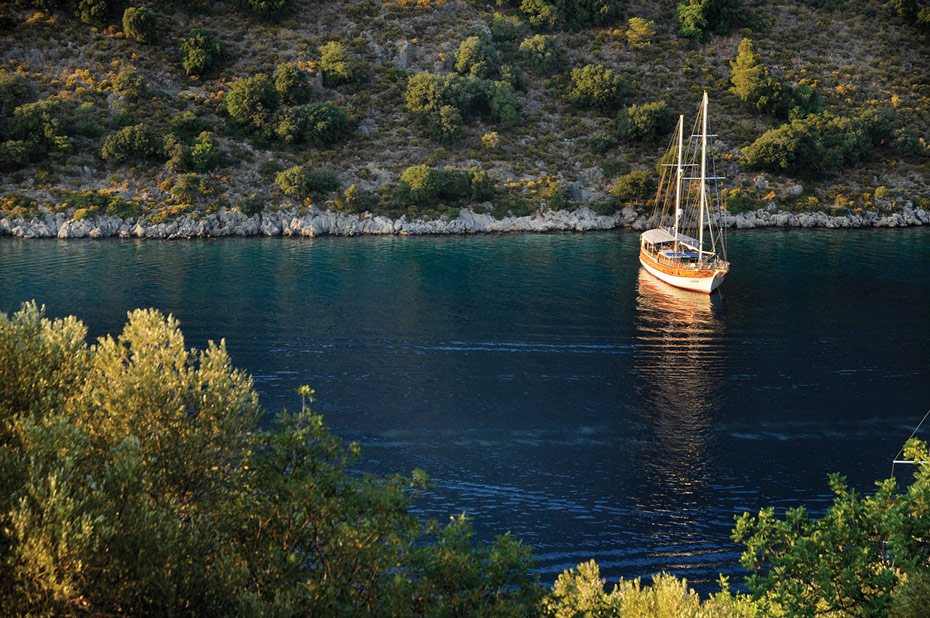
(703, 178)
(681, 125)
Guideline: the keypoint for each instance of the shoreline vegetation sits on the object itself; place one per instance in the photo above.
(312, 222)
(452, 115)
(143, 477)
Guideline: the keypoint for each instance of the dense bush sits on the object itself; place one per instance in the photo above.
(320, 124)
(506, 28)
(575, 14)
(422, 185)
(502, 102)
(201, 155)
(253, 101)
(446, 102)
(767, 93)
(129, 83)
(540, 53)
(188, 189)
(824, 142)
(696, 16)
(913, 12)
(41, 127)
(201, 52)
(139, 24)
(640, 32)
(98, 12)
(338, 64)
(298, 182)
(635, 186)
(596, 86)
(645, 122)
(138, 141)
(292, 85)
(477, 57)
(271, 10)
(15, 89)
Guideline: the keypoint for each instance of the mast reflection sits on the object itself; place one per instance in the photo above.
(678, 360)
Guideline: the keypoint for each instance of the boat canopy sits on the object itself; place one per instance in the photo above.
(657, 235)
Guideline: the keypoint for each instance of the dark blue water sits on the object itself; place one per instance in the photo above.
(548, 387)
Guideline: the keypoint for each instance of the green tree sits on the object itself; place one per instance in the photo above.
(271, 10)
(694, 16)
(540, 53)
(291, 84)
(477, 57)
(253, 101)
(645, 122)
(423, 183)
(596, 86)
(640, 32)
(851, 560)
(201, 52)
(98, 12)
(140, 24)
(41, 127)
(321, 124)
(138, 480)
(635, 186)
(747, 72)
(338, 64)
(130, 83)
(138, 141)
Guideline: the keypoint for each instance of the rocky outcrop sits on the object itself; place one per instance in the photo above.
(315, 222)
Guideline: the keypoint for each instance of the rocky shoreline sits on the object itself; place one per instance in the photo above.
(315, 222)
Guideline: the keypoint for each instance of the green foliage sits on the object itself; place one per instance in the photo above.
(130, 83)
(253, 101)
(446, 125)
(298, 182)
(596, 86)
(766, 93)
(445, 103)
(202, 155)
(640, 32)
(694, 16)
(271, 10)
(15, 90)
(140, 24)
(580, 592)
(503, 102)
(138, 141)
(645, 122)
(575, 14)
(540, 53)
(913, 12)
(850, 561)
(506, 28)
(98, 12)
(189, 189)
(14, 154)
(40, 126)
(251, 204)
(635, 186)
(320, 124)
(187, 125)
(477, 57)
(824, 142)
(422, 185)
(339, 65)
(201, 52)
(292, 85)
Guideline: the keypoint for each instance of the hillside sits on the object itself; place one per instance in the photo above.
(332, 104)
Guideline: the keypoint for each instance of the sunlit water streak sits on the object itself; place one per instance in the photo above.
(549, 387)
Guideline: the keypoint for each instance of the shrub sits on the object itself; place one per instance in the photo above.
(252, 101)
(640, 32)
(139, 24)
(540, 53)
(41, 126)
(539, 13)
(271, 10)
(694, 16)
(85, 120)
(767, 93)
(98, 12)
(634, 186)
(292, 85)
(477, 57)
(576, 14)
(505, 28)
(338, 64)
(14, 154)
(645, 122)
(188, 189)
(596, 86)
(321, 124)
(133, 142)
(422, 184)
(298, 182)
(205, 153)
(129, 83)
(251, 204)
(187, 125)
(201, 52)
(15, 89)
(445, 125)
(322, 181)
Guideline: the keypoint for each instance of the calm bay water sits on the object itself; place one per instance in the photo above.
(546, 385)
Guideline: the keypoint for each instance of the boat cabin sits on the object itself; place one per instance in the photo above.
(660, 242)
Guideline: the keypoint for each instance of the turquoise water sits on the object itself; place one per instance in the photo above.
(546, 385)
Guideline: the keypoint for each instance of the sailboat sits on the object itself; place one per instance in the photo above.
(691, 252)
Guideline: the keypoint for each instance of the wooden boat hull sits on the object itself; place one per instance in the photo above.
(705, 281)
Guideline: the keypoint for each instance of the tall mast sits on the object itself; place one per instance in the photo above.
(703, 177)
(681, 124)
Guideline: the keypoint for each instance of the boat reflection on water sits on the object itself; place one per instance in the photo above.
(678, 360)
